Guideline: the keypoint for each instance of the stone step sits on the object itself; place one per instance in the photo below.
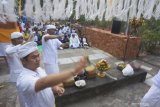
(97, 86)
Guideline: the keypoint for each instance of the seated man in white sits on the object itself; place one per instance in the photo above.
(74, 41)
(84, 41)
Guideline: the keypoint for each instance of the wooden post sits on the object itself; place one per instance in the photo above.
(19, 7)
(128, 36)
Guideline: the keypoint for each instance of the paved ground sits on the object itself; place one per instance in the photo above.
(128, 96)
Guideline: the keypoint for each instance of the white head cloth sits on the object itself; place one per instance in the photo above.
(15, 35)
(128, 70)
(26, 49)
(50, 27)
(76, 35)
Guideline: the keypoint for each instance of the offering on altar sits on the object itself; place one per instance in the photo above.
(121, 66)
(90, 71)
(134, 64)
(128, 70)
(80, 76)
(80, 79)
(80, 83)
(102, 66)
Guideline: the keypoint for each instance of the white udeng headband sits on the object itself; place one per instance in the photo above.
(50, 27)
(15, 35)
(26, 49)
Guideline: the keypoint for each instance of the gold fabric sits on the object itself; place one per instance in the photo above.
(6, 32)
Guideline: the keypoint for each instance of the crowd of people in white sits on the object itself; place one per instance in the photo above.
(70, 34)
(25, 71)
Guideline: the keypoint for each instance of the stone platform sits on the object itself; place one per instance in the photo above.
(98, 86)
(99, 92)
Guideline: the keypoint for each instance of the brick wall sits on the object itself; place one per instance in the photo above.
(112, 43)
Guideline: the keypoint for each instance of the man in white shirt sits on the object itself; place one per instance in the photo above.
(14, 63)
(84, 42)
(33, 84)
(65, 29)
(50, 44)
(152, 97)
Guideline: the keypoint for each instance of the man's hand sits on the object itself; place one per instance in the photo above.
(59, 90)
(81, 65)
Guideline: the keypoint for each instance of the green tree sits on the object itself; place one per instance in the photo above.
(150, 34)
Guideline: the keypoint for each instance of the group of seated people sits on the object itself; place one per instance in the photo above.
(70, 37)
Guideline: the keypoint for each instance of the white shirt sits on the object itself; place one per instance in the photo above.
(151, 98)
(65, 28)
(156, 79)
(3, 48)
(35, 38)
(50, 54)
(15, 65)
(73, 31)
(26, 89)
(23, 26)
(84, 41)
(60, 32)
(74, 42)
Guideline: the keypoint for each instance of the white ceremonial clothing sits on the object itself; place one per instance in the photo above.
(156, 79)
(23, 26)
(50, 54)
(152, 97)
(74, 42)
(51, 68)
(3, 48)
(76, 35)
(26, 49)
(84, 41)
(65, 28)
(60, 32)
(35, 38)
(26, 89)
(15, 35)
(73, 31)
(50, 27)
(15, 65)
